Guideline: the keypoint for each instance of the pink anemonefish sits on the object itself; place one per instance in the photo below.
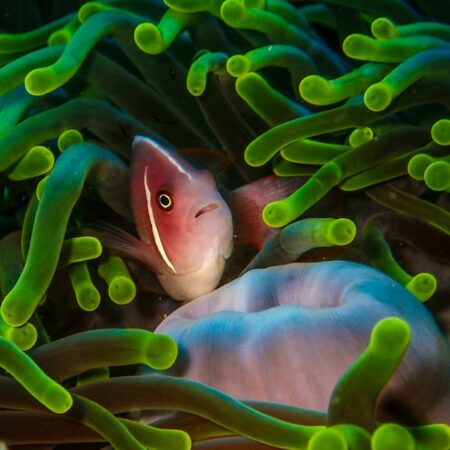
(186, 228)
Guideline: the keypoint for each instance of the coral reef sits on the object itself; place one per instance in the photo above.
(351, 97)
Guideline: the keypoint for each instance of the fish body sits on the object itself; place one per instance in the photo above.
(181, 218)
(186, 228)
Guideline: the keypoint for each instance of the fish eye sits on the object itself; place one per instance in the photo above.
(165, 201)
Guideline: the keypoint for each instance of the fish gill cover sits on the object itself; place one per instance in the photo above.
(348, 98)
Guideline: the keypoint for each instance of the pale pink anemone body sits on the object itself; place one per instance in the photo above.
(287, 334)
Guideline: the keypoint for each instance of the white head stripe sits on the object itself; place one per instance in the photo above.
(156, 236)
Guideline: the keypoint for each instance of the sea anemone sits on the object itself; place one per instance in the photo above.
(351, 96)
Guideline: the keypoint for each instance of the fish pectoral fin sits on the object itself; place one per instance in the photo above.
(123, 243)
(248, 201)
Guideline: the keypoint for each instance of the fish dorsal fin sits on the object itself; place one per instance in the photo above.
(216, 161)
(123, 243)
(247, 203)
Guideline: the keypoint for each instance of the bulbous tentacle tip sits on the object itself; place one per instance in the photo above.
(148, 38)
(244, 82)
(164, 438)
(390, 337)
(383, 28)
(328, 438)
(418, 164)
(437, 175)
(68, 138)
(251, 157)
(122, 290)
(56, 398)
(342, 231)
(196, 89)
(356, 437)
(433, 437)
(351, 45)
(183, 440)
(315, 89)
(89, 9)
(440, 132)
(378, 97)
(61, 37)
(16, 308)
(360, 136)
(24, 337)
(161, 351)
(41, 81)
(232, 12)
(88, 298)
(392, 437)
(423, 286)
(38, 161)
(276, 214)
(238, 65)
(40, 188)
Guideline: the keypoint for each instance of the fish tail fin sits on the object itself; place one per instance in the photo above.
(247, 203)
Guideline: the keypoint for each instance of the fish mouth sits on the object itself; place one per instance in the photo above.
(209, 207)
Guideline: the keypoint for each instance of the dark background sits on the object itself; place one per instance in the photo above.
(22, 15)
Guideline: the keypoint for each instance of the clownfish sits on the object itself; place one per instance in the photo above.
(186, 228)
